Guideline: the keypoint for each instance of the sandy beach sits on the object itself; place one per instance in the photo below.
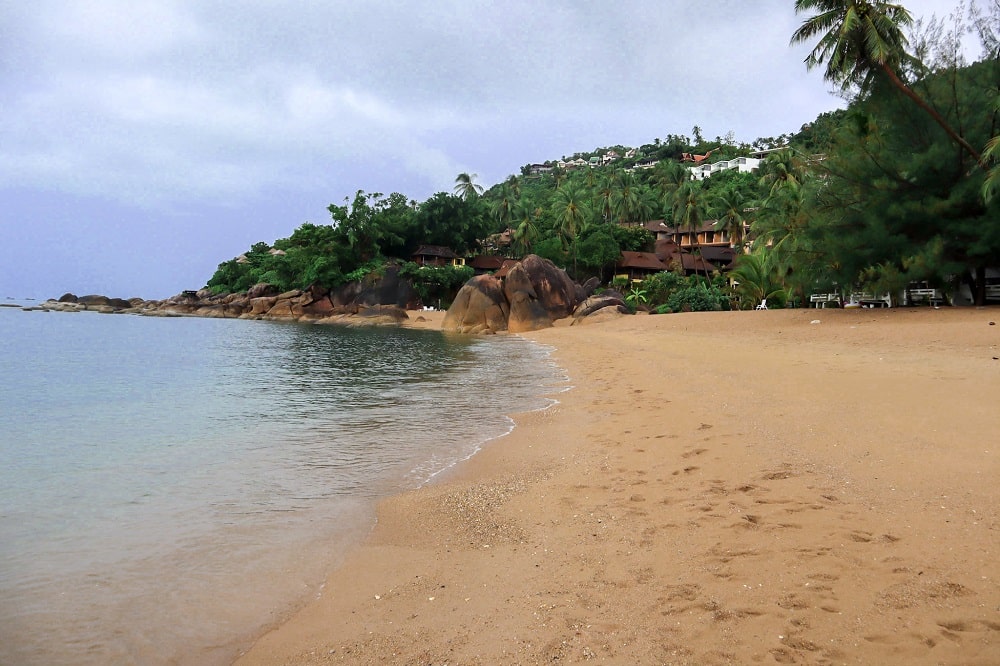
(779, 487)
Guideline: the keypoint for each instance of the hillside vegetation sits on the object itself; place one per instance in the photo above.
(896, 188)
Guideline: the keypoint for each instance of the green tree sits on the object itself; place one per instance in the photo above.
(894, 194)
(362, 225)
(503, 207)
(597, 250)
(689, 209)
(860, 37)
(992, 153)
(526, 217)
(731, 218)
(756, 278)
(572, 213)
(466, 186)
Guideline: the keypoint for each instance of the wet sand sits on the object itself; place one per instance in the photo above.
(720, 488)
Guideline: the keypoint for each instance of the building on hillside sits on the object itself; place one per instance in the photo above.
(436, 255)
(637, 266)
(704, 235)
(764, 152)
(538, 169)
(723, 257)
(741, 164)
(679, 259)
(659, 229)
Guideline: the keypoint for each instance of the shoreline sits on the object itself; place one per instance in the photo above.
(778, 492)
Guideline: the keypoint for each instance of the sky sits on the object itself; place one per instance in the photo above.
(143, 142)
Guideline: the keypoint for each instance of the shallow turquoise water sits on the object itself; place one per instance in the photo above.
(170, 486)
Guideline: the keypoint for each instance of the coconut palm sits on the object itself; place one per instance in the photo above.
(526, 218)
(689, 211)
(756, 277)
(858, 38)
(514, 183)
(503, 207)
(781, 169)
(992, 152)
(731, 219)
(572, 215)
(605, 199)
(466, 186)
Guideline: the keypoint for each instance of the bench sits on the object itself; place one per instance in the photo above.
(821, 300)
(871, 300)
(932, 296)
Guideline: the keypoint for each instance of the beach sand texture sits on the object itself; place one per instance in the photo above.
(716, 488)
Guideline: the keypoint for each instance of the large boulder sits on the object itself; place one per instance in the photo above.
(319, 307)
(553, 287)
(93, 300)
(602, 315)
(262, 289)
(259, 306)
(479, 307)
(601, 301)
(67, 298)
(526, 313)
(388, 289)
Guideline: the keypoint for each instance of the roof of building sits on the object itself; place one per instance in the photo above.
(435, 251)
(718, 255)
(486, 262)
(644, 260)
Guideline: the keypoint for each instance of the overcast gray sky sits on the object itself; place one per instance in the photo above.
(142, 142)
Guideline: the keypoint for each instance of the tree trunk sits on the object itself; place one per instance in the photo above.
(919, 101)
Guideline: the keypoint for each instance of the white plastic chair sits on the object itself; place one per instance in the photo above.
(762, 306)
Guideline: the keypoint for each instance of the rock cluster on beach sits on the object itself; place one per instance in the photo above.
(532, 296)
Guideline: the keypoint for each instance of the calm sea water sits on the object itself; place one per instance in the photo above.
(169, 487)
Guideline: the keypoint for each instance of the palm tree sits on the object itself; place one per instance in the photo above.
(756, 277)
(527, 226)
(626, 196)
(993, 178)
(779, 170)
(860, 37)
(514, 183)
(572, 214)
(504, 206)
(992, 152)
(731, 220)
(605, 199)
(689, 211)
(466, 186)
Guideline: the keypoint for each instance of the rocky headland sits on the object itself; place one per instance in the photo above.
(531, 296)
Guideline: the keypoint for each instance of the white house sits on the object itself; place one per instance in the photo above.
(742, 164)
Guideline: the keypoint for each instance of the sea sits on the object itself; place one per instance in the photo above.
(172, 487)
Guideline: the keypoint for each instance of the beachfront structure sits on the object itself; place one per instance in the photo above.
(637, 266)
(436, 255)
(741, 164)
(705, 235)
